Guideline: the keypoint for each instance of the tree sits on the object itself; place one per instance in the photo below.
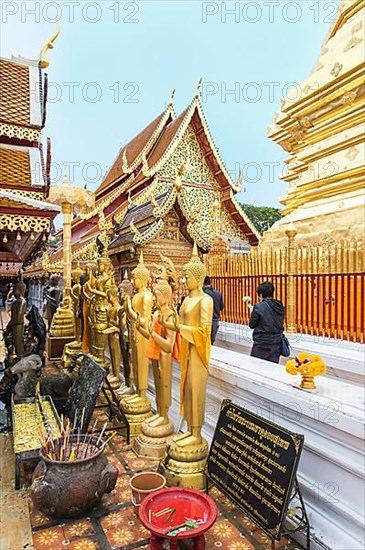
(262, 217)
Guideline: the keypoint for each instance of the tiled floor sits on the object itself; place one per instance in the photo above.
(114, 525)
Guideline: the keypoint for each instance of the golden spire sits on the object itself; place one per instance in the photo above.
(171, 97)
(198, 88)
(49, 46)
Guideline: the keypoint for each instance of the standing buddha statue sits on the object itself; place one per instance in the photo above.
(99, 307)
(163, 347)
(125, 289)
(15, 328)
(113, 331)
(87, 297)
(139, 311)
(53, 298)
(186, 458)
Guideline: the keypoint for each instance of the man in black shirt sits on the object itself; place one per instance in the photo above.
(267, 320)
(218, 306)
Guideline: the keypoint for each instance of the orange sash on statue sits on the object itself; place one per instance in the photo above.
(202, 342)
(153, 349)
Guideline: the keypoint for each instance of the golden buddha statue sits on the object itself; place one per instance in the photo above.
(163, 347)
(63, 324)
(186, 459)
(139, 311)
(87, 298)
(99, 307)
(112, 331)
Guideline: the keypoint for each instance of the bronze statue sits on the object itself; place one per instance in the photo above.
(125, 289)
(113, 331)
(87, 297)
(53, 298)
(76, 297)
(14, 332)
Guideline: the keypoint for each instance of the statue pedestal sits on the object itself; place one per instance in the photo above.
(55, 346)
(136, 410)
(185, 466)
(152, 442)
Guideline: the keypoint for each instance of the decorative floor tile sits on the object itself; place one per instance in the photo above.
(79, 528)
(114, 525)
(51, 538)
(83, 544)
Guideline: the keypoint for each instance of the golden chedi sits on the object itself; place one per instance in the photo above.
(137, 407)
(186, 458)
(164, 346)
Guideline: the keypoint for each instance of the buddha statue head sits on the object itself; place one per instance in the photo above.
(166, 282)
(76, 274)
(54, 280)
(141, 274)
(126, 287)
(194, 271)
(19, 289)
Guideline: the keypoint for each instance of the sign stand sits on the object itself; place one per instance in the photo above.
(254, 462)
(303, 522)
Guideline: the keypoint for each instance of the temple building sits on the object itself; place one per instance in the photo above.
(323, 131)
(167, 187)
(26, 218)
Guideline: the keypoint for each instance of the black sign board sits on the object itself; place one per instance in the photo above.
(254, 462)
(84, 393)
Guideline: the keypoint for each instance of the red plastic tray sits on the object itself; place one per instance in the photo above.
(189, 503)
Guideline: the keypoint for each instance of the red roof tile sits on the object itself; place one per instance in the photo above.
(133, 149)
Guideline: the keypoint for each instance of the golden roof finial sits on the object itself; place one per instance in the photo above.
(48, 46)
(198, 88)
(239, 179)
(124, 161)
(65, 179)
(172, 97)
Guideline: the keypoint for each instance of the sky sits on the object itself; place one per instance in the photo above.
(115, 64)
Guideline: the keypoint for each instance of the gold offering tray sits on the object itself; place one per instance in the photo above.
(28, 425)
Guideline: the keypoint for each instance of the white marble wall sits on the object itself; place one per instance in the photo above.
(331, 469)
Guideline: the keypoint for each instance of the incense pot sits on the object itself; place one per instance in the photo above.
(67, 489)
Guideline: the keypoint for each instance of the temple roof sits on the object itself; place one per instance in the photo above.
(21, 87)
(131, 154)
(21, 166)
